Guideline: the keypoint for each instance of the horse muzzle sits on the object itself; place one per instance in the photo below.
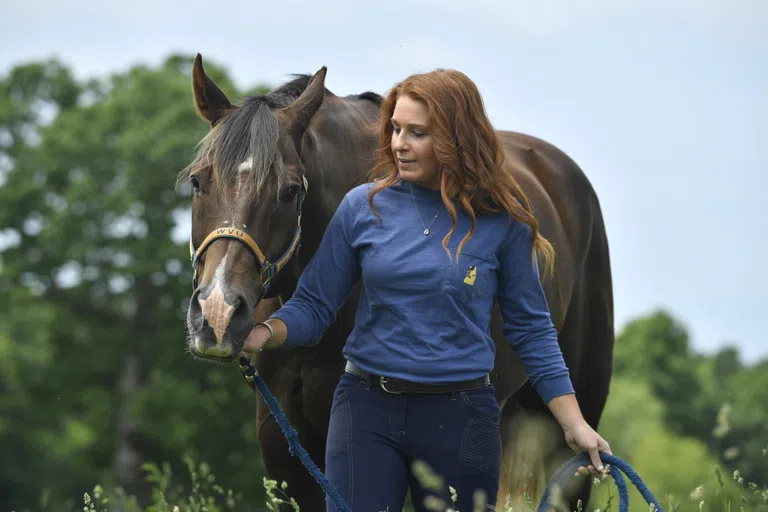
(218, 323)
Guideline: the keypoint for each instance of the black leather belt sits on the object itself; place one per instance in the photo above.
(400, 386)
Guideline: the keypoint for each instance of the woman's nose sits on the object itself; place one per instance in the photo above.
(398, 142)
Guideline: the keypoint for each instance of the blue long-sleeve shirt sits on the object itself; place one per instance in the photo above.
(421, 316)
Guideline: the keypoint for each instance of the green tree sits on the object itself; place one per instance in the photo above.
(631, 411)
(742, 436)
(675, 415)
(737, 395)
(675, 466)
(726, 363)
(655, 349)
(94, 378)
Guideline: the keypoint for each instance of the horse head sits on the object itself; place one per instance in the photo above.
(248, 182)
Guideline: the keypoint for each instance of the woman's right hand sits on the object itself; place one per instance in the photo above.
(257, 338)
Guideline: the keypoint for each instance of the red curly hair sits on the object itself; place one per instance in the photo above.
(473, 167)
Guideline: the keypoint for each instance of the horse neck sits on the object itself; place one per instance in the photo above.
(345, 142)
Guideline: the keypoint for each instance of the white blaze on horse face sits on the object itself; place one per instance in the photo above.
(243, 169)
(245, 166)
(215, 308)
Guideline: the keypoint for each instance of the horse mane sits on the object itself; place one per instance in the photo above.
(250, 133)
(290, 91)
(371, 96)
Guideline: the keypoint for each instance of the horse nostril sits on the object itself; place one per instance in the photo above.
(241, 316)
(196, 311)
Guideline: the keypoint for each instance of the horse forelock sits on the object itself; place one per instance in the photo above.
(242, 149)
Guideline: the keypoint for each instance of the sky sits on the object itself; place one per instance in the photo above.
(663, 103)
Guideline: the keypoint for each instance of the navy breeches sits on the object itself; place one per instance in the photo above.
(375, 437)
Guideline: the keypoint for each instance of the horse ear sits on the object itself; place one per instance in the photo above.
(211, 103)
(301, 111)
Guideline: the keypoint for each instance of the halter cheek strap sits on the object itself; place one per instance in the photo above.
(268, 269)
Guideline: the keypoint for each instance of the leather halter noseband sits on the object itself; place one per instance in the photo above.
(268, 270)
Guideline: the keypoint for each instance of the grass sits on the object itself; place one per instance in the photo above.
(205, 495)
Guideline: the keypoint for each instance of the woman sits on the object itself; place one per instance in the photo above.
(440, 234)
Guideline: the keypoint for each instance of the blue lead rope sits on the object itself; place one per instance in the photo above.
(566, 471)
(559, 479)
(256, 381)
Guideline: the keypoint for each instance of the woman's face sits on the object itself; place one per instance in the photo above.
(412, 144)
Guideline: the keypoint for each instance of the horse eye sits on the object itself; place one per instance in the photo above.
(289, 193)
(195, 183)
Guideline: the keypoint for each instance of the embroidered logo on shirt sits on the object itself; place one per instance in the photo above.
(469, 277)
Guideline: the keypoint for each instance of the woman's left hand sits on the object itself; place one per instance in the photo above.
(582, 437)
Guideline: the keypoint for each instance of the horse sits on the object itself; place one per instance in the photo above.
(266, 180)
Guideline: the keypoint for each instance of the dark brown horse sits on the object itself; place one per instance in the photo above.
(270, 174)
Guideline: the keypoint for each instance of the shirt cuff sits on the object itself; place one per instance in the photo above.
(553, 387)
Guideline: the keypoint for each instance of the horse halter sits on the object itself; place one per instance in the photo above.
(268, 269)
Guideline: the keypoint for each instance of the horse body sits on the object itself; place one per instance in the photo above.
(580, 298)
(337, 149)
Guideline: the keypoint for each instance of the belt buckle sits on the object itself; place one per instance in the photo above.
(383, 385)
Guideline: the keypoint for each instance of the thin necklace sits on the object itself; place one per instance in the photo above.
(426, 228)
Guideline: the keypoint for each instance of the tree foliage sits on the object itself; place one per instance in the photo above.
(94, 378)
(680, 417)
